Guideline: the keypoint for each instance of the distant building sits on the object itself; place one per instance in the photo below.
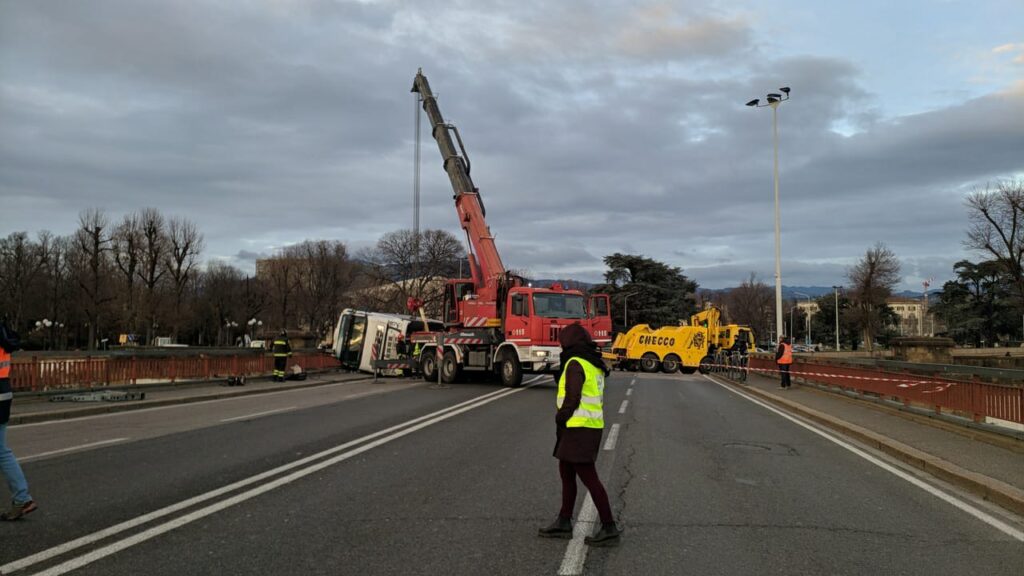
(914, 318)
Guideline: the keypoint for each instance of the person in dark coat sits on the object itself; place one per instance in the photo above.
(578, 434)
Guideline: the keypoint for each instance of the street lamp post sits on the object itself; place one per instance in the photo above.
(836, 288)
(774, 100)
(625, 310)
(807, 337)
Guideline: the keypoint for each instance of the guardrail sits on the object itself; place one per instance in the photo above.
(976, 400)
(38, 375)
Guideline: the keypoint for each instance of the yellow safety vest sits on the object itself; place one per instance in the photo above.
(590, 412)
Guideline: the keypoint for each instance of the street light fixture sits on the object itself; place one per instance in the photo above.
(774, 100)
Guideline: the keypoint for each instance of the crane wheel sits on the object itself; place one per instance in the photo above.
(687, 369)
(450, 368)
(510, 370)
(706, 364)
(428, 365)
(670, 364)
(649, 362)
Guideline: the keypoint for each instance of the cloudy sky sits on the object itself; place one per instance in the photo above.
(593, 127)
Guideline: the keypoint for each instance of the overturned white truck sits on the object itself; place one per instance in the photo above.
(368, 341)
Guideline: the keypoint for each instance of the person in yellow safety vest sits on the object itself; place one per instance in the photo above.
(784, 358)
(282, 351)
(21, 502)
(579, 424)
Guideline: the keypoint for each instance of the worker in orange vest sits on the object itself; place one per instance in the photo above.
(784, 358)
(21, 502)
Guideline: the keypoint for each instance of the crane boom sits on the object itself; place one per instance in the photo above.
(486, 267)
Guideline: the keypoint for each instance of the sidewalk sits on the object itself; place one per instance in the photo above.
(36, 408)
(993, 469)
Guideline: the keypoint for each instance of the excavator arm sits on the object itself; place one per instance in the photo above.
(485, 263)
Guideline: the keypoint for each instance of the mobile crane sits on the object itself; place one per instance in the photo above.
(494, 321)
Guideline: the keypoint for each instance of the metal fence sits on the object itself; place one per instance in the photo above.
(37, 375)
(976, 400)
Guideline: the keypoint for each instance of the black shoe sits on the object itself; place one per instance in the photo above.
(560, 528)
(608, 535)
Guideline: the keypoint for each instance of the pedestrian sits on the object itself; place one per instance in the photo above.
(282, 351)
(21, 502)
(579, 424)
(784, 359)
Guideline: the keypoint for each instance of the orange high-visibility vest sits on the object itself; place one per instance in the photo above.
(787, 354)
(5, 363)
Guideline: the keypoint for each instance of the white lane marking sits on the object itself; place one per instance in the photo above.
(622, 408)
(113, 548)
(188, 404)
(129, 524)
(633, 381)
(964, 506)
(576, 551)
(258, 414)
(72, 449)
(613, 437)
(629, 392)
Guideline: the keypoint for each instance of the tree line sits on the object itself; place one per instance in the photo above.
(142, 277)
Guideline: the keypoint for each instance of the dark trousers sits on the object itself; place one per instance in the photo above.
(784, 372)
(588, 474)
(280, 363)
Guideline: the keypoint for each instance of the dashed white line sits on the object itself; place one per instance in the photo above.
(613, 437)
(576, 551)
(72, 449)
(622, 408)
(258, 414)
(629, 392)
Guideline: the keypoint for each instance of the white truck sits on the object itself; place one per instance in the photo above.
(367, 341)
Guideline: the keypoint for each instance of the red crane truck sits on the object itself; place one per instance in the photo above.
(494, 321)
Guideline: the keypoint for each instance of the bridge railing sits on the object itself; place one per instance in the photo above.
(37, 375)
(972, 399)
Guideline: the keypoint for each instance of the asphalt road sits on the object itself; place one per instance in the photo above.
(415, 480)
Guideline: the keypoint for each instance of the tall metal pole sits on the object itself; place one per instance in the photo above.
(778, 243)
(836, 288)
(416, 187)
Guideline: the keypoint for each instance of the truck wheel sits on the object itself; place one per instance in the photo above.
(670, 364)
(649, 362)
(510, 370)
(449, 367)
(428, 365)
(687, 369)
(706, 364)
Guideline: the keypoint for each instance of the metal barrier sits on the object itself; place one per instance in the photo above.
(976, 400)
(35, 375)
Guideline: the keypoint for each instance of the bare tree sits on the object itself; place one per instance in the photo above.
(283, 277)
(394, 265)
(184, 244)
(92, 266)
(327, 275)
(997, 229)
(127, 242)
(872, 279)
(151, 270)
(221, 289)
(21, 261)
(752, 303)
(58, 288)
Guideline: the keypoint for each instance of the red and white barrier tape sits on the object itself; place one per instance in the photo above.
(901, 382)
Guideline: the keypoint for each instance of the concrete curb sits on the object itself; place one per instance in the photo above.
(995, 491)
(107, 408)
